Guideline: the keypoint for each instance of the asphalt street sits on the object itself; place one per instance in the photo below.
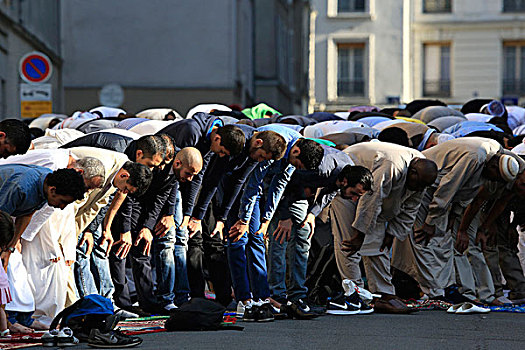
(422, 330)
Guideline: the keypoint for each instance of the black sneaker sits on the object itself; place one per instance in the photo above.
(300, 310)
(365, 308)
(264, 312)
(343, 305)
(112, 339)
(250, 312)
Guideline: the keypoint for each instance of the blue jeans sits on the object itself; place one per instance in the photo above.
(24, 318)
(170, 262)
(93, 270)
(296, 249)
(247, 262)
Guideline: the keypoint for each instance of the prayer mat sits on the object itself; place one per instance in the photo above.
(143, 325)
(428, 304)
(508, 308)
(20, 341)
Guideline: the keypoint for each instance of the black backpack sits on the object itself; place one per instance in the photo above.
(198, 315)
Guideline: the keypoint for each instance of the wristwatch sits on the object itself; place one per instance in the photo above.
(11, 249)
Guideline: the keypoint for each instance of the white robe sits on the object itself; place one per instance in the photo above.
(47, 279)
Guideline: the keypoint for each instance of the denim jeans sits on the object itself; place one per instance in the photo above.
(296, 249)
(170, 262)
(247, 262)
(93, 270)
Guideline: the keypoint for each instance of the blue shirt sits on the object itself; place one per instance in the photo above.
(128, 123)
(22, 188)
(281, 171)
(468, 127)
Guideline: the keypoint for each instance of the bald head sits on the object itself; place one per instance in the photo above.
(188, 163)
(421, 174)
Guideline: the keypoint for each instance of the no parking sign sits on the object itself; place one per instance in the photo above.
(35, 68)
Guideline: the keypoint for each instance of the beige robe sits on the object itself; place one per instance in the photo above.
(88, 208)
(460, 163)
(391, 207)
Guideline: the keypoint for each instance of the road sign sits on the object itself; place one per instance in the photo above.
(35, 68)
(40, 92)
(35, 100)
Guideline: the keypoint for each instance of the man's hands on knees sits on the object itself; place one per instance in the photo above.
(164, 225)
(125, 243)
(424, 234)
(107, 237)
(353, 245)
(283, 230)
(238, 230)
(87, 238)
(219, 228)
(146, 236)
(310, 221)
(194, 226)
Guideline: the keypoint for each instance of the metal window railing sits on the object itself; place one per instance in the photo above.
(513, 5)
(440, 88)
(351, 6)
(350, 87)
(513, 87)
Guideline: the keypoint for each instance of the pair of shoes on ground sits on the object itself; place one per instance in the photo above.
(391, 304)
(348, 305)
(260, 311)
(59, 338)
(467, 308)
(112, 339)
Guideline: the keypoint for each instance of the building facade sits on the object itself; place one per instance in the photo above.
(386, 52)
(27, 26)
(282, 54)
(162, 53)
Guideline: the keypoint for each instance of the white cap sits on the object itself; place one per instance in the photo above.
(508, 167)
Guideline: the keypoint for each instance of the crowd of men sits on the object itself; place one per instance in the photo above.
(153, 209)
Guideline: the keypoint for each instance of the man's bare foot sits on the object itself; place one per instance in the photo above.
(39, 326)
(18, 328)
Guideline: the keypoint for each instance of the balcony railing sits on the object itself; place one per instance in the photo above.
(513, 87)
(350, 87)
(439, 88)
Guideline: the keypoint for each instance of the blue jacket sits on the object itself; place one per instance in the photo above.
(22, 188)
(281, 172)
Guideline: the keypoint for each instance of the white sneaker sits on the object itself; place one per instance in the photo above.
(125, 314)
(240, 309)
(170, 307)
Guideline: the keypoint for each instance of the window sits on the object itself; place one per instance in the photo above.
(350, 6)
(436, 70)
(350, 70)
(513, 5)
(514, 68)
(437, 6)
